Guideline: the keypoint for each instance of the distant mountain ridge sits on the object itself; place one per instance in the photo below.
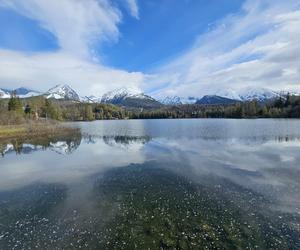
(248, 94)
(4, 94)
(129, 97)
(22, 92)
(216, 100)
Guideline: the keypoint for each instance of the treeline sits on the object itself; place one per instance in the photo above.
(283, 107)
(16, 111)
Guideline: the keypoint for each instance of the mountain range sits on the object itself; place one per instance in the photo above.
(134, 98)
(225, 97)
(21, 92)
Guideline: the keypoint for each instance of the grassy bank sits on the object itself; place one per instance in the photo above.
(35, 129)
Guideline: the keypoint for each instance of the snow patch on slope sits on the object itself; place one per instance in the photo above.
(62, 92)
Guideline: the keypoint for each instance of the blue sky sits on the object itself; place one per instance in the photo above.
(163, 47)
(165, 28)
(24, 34)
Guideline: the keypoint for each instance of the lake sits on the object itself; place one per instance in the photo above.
(154, 184)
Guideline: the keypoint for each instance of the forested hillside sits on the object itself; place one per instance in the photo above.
(16, 111)
(283, 107)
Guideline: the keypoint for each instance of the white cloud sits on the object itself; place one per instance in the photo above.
(258, 47)
(77, 25)
(44, 70)
(133, 8)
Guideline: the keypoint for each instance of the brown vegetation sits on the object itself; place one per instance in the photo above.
(35, 129)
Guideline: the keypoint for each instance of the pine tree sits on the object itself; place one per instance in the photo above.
(14, 103)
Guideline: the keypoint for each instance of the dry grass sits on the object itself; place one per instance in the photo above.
(35, 129)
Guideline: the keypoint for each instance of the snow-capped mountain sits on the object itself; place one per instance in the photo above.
(248, 94)
(127, 97)
(25, 92)
(124, 97)
(130, 98)
(258, 94)
(30, 94)
(4, 94)
(62, 92)
(229, 95)
(123, 93)
(21, 92)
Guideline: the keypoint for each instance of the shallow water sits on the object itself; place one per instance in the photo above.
(157, 184)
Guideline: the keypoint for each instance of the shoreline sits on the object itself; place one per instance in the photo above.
(33, 130)
(190, 118)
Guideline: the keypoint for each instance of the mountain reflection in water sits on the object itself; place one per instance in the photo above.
(59, 144)
(216, 184)
(63, 145)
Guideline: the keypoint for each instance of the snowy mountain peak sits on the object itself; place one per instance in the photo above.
(123, 93)
(129, 97)
(62, 91)
(259, 94)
